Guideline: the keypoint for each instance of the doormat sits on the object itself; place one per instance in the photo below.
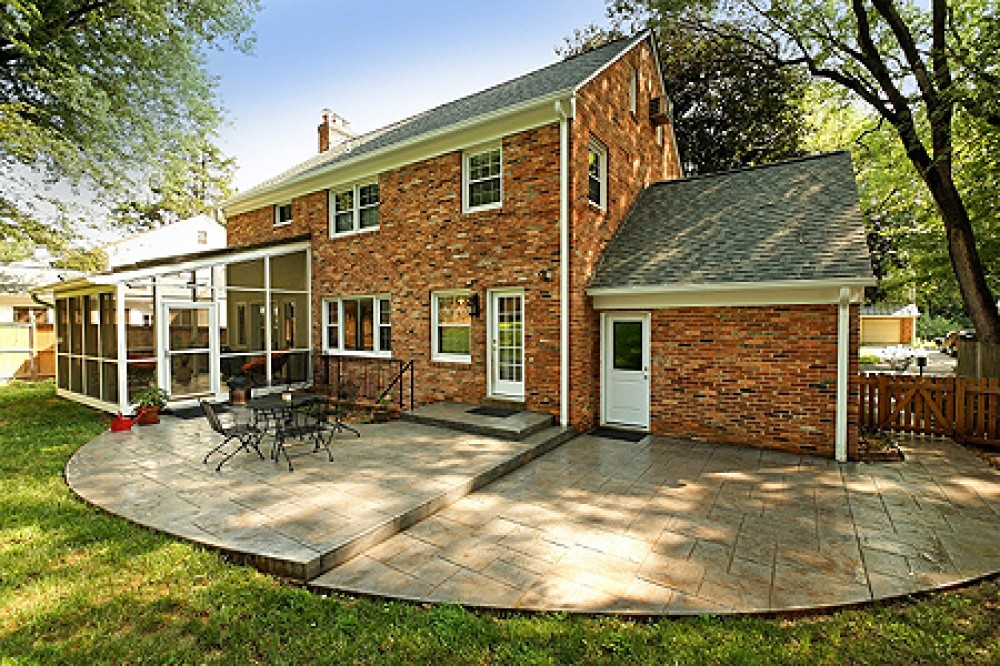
(615, 433)
(189, 413)
(492, 411)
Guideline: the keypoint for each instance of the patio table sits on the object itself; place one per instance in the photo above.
(282, 419)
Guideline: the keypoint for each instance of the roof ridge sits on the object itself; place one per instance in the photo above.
(753, 167)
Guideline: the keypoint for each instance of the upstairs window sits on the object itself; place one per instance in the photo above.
(282, 214)
(354, 209)
(597, 174)
(482, 179)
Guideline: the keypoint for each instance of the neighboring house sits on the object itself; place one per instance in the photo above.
(520, 247)
(195, 234)
(888, 324)
(26, 331)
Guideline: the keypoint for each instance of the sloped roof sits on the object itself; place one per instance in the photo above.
(793, 220)
(562, 76)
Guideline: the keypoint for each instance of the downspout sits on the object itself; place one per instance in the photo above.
(843, 367)
(563, 263)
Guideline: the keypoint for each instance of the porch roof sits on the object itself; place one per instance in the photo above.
(790, 222)
(191, 261)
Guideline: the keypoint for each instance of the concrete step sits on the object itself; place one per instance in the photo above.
(541, 442)
(457, 416)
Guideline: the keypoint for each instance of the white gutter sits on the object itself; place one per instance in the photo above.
(564, 260)
(843, 365)
(731, 286)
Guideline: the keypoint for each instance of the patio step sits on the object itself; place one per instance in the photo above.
(457, 416)
(540, 441)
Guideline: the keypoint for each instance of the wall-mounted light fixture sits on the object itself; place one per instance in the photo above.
(472, 305)
(545, 274)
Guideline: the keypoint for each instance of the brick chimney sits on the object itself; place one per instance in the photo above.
(333, 130)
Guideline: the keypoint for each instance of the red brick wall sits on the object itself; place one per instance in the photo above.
(634, 161)
(753, 376)
(425, 244)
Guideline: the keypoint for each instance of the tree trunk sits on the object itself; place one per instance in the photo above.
(979, 301)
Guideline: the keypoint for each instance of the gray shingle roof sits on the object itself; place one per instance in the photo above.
(793, 220)
(561, 76)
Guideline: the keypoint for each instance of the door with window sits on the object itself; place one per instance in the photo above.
(506, 344)
(625, 389)
(190, 335)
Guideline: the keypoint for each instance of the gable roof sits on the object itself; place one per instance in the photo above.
(788, 221)
(557, 79)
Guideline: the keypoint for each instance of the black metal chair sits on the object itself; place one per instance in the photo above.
(247, 435)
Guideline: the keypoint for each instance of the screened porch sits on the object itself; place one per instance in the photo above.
(186, 324)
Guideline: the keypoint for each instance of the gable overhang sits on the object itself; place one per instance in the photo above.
(729, 294)
(490, 127)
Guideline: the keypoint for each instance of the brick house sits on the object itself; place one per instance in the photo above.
(503, 203)
(533, 244)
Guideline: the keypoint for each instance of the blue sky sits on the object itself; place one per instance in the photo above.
(374, 62)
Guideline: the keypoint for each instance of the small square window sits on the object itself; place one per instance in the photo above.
(354, 209)
(597, 174)
(482, 173)
(282, 214)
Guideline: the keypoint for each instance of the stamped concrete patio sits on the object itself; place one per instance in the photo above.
(596, 525)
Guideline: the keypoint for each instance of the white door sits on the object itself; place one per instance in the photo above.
(190, 350)
(506, 365)
(625, 389)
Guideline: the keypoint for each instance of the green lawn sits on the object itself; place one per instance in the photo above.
(79, 586)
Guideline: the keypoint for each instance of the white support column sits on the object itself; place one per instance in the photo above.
(267, 322)
(121, 337)
(564, 358)
(843, 369)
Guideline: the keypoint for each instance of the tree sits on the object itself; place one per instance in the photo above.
(99, 94)
(911, 65)
(732, 108)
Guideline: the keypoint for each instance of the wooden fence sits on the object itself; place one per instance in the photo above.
(27, 351)
(977, 359)
(964, 408)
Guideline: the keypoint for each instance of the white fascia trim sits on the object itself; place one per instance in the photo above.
(642, 36)
(383, 159)
(730, 286)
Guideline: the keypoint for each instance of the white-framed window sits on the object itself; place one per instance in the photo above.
(451, 327)
(659, 135)
(202, 237)
(354, 209)
(359, 325)
(282, 214)
(597, 174)
(633, 91)
(482, 178)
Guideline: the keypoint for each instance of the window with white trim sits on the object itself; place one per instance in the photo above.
(354, 208)
(357, 325)
(282, 214)
(482, 179)
(597, 174)
(451, 327)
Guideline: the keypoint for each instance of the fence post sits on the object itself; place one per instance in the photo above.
(960, 408)
(883, 401)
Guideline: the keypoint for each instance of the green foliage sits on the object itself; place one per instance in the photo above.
(90, 260)
(936, 326)
(732, 107)
(151, 396)
(929, 74)
(80, 586)
(106, 95)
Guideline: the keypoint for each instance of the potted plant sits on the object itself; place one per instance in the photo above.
(150, 400)
(239, 387)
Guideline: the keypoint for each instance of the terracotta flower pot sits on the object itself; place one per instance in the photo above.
(149, 415)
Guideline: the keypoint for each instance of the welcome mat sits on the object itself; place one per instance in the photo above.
(615, 433)
(189, 413)
(492, 411)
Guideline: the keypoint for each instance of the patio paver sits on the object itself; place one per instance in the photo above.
(669, 526)
(295, 524)
(661, 526)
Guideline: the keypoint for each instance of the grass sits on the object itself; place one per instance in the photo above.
(78, 586)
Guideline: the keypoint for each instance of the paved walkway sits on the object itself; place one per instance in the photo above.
(295, 524)
(596, 525)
